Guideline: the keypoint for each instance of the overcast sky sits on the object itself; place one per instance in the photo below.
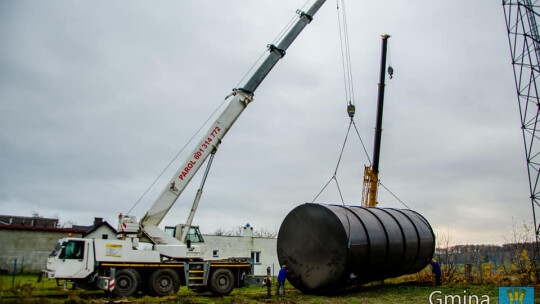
(96, 97)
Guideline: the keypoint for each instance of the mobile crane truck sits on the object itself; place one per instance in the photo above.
(124, 267)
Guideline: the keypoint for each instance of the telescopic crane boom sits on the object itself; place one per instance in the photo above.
(210, 141)
(371, 173)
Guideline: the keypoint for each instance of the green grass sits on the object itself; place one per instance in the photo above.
(27, 290)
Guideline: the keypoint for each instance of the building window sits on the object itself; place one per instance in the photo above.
(104, 236)
(215, 253)
(256, 257)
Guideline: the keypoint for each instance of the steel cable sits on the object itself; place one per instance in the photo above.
(337, 166)
(394, 195)
(176, 157)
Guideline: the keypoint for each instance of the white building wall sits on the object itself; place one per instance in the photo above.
(268, 249)
(242, 247)
(102, 230)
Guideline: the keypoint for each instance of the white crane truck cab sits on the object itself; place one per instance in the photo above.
(70, 258)
(76, 258)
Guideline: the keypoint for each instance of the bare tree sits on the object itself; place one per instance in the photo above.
(445, 239)
(68, 224)
(237, 231)
(519, 239)
(265, 233)
(219, 232)
(520, 234)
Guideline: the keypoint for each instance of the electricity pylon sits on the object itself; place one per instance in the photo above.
(524, 41)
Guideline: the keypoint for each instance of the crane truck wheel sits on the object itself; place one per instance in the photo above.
(221, 282)
(163, 282)
(127, 282)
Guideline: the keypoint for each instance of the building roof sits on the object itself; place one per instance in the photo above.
(43, 224)
(97, 225)
(35, 221)
(34, 228)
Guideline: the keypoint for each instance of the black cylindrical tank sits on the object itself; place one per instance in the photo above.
(326, 247)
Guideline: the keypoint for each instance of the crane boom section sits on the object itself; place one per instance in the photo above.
(277, 52)
(211, 139)
(371, 174)
(208, 143)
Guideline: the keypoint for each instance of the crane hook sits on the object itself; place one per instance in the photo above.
(351, 110)
(390, 71)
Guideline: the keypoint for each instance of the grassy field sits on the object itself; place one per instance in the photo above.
(27, 290)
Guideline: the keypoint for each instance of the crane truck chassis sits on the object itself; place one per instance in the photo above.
(110, 265)
(124, 267)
